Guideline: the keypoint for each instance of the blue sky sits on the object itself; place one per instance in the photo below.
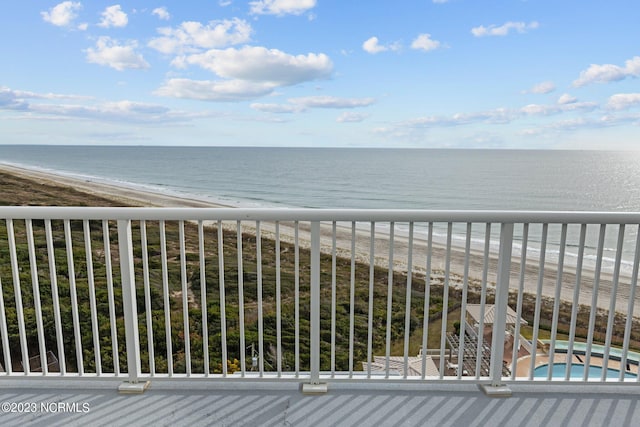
(535, 74)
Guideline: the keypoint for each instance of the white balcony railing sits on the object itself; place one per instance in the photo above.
(139, 294)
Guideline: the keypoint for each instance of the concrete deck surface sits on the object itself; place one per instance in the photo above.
(205, 404)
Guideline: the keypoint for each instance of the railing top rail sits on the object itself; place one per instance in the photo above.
(300, 214)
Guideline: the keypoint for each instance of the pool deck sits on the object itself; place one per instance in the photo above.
(168, 404)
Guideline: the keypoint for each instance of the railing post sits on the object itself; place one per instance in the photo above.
(314, 386)
(125, 249)
(497, 388)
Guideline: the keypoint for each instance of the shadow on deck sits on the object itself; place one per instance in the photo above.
(166, 404)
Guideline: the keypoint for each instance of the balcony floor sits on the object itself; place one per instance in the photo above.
(169, 404)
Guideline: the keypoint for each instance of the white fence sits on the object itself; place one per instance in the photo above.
(314, 296)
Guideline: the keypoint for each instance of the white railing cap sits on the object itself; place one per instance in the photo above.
(300, 214)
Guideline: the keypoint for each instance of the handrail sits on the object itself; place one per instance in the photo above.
(175, 274)
(310, 214)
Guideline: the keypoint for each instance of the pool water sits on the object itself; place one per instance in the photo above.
(577, 371)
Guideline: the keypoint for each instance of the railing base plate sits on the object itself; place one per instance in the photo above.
(314, 388)
(133, 388)
(495, 391)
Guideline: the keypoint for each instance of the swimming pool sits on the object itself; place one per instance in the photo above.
(577, 371)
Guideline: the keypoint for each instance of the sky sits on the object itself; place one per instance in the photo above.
(516, 74)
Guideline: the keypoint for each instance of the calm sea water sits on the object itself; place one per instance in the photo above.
(364, 178)
(360, 178)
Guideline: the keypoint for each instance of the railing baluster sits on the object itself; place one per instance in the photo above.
(352, 297)
(630, 307)
(612, 304)
(223, 303)
(463, 308)
(556, 302)
(407, 310)
(333, 299)
(203, 300)
(500, 318)
(536, 318)
(314, 385)
(185, 298)
(130, 308)
(594, 301)
(483, 299)
(314, 321)
(147, 296)
(576, 296)
(74, 297)
(243, 348)
(92, 296)
(445, 300)
(389, 300)
(523, 268)
(371, 287)
(296, 298)
(53, 274)
(278, 304)
(260, 315)
(165, 291)
(6, 349)
(18, 296)
(427, 296)
(36, 298)
(110, 294)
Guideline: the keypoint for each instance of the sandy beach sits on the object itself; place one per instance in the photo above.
(131, 196)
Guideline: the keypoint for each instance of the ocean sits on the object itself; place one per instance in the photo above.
(367, 178)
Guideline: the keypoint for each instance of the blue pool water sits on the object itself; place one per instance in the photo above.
(577, 371)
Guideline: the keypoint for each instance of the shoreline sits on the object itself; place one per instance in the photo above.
(128, 195)
(131, 196)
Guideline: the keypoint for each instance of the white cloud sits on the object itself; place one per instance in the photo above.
(83, 26)
(544, 87)
(606, 73)
(425, 42)
(62, 14)
(567, 99)
(498, 115)
(570, 124)
(281, 7)
(122, 111)
(331, 102)
(113, 16)
(351, 117)
(191, 36)
(161, 13)
(440, 1)
(207, 90)
(119, 111)
(537, 109)
(277, 108)
(298, 105)
(409, 128)
(120, 57)
(504, 29)
(23, 94)
(224, 3)
(10, 100)
(623, 101)
(373, 46)
(546, 110)
(259, 64)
